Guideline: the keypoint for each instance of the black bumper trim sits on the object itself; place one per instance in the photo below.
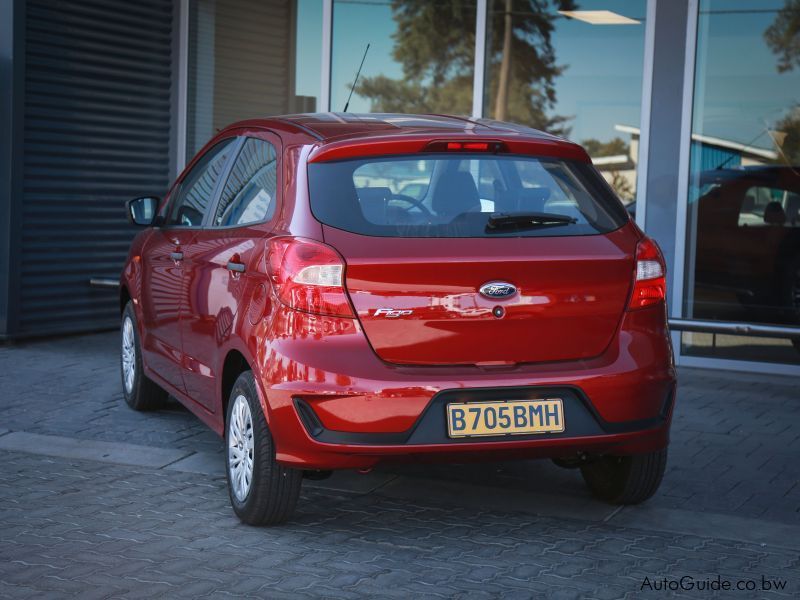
(581, 417)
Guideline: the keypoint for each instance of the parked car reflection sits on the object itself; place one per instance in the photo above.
(747, 253)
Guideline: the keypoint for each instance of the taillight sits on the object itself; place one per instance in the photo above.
(308, 276)
(650, 284)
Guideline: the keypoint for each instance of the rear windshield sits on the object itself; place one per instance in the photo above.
(463, 196)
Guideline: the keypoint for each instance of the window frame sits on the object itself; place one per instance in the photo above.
(174, 192)
(275, 141)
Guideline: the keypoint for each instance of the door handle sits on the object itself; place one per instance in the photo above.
(235, 267)
(176, 255)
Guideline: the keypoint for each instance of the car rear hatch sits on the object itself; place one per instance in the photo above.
(415, 274)
(419, 302)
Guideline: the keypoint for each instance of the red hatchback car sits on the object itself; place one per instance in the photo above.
(334, 291)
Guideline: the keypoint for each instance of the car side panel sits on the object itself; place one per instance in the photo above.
(163, 294)
(218, 298)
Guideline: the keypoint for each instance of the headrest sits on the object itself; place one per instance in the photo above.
(455, 194)
(773, 213)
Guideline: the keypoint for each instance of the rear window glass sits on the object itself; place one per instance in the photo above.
(463, 196)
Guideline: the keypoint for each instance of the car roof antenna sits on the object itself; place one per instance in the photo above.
(363, 58)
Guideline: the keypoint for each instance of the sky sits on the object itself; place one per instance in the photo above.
(309, 48)
(739, 93)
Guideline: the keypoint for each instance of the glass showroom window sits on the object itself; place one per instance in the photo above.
(250, 58)
(572, 72)
(307, 57)
(421, 57)
(743, 212)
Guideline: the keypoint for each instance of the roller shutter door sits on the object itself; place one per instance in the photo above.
(97, 132)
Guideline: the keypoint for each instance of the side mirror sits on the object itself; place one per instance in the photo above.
(142, 211)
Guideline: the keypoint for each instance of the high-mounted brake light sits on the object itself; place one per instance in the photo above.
(650, 282)
(308, 276)
(465, 146)
(476, 146)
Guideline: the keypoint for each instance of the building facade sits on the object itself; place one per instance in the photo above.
(688, 108)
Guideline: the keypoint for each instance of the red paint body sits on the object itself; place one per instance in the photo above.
(369, 376)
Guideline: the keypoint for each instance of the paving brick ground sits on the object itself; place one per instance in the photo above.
(99, 530)
(93, 529)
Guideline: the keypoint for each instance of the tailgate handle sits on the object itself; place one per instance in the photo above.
(235, 267)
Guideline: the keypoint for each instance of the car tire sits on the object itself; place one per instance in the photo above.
(262, 492)
(625, 479)
(140, 392)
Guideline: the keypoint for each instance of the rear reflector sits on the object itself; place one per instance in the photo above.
(308, 276)
(650, 282)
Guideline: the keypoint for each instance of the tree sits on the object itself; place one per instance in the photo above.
(615, 147)
(522, 62)
(435, 44)
(783, 36)
(790, 146)
(622, 186)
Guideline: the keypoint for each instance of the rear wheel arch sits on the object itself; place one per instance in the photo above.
(262, 491)
(234, 365)
(124, 298)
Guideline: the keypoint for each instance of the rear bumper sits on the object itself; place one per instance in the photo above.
(332, 404)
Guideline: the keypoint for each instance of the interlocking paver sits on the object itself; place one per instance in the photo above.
(70, 526)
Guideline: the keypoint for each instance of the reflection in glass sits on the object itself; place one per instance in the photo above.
(249, 193)
(743, 229)
(421, 56)
(308, 57)
(189, 204)
(245, 60)
(572, 72)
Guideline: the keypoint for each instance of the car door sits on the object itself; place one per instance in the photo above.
(219, 264)
(764, 245)
(164, 289)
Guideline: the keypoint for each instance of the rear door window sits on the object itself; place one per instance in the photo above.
(463, 196)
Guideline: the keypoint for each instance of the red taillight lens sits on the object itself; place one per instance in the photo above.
(650, 282)
(308, 276)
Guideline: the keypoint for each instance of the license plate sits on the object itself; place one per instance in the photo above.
(513, 417)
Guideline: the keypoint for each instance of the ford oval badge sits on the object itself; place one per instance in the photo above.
(498, 290)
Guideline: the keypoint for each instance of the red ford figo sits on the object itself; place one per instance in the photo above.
(334, 291)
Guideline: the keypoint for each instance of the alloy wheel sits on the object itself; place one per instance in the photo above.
(240, 448)
(128, 354)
